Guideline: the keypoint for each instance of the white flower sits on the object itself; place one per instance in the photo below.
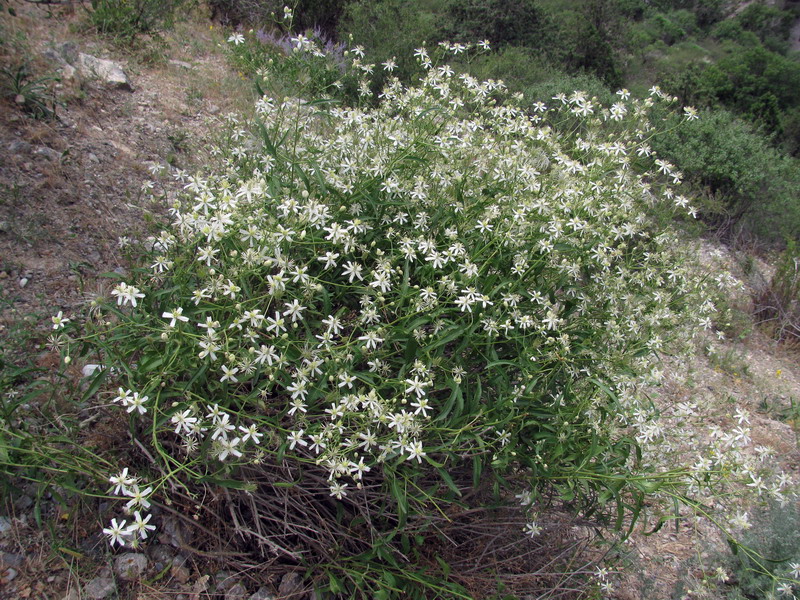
(229, 374)
(236, 39)
(138, 497)
(116, 533)
(228, 447)
(175, 316)
(140, 526)
(127, 293)
(59, 321)
(532, 529)
(122, 482)
(136, 403)
(416, 386)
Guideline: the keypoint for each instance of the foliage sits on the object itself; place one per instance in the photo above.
(778, 305)
(127, 19)
(322, 15)
(33, 95)
(304, 65)
(744, 180)
(775, 535)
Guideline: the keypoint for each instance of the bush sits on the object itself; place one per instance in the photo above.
(128, 18)
(375, 322)
(774, 536)
(746, 182)
(778, 306)
(322, 15)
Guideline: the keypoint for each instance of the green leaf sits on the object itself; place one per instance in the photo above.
(97, 381)
(230, 483)
(449, 481)
(444, 566)
(334, 584)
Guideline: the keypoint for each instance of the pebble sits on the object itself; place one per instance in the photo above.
(130, 566)
(180, 573)
(99, 588)
(10, 559)
(23, 282)
(262, 594)
(72, 595)
(10, 575)
(225, 580)
(5, 523)
(237, 592)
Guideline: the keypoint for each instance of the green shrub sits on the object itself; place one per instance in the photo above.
(35, 96)
(775, 535)
(321, 15)
(128, 18)
(746, 182)
(778, 306)
(370, 321)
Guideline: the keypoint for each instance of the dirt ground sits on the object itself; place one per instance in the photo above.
(70, 188)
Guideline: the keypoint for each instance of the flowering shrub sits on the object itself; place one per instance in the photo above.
(360, 315)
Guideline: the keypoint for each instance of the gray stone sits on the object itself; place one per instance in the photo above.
(106, 70)
(291, 583)
(224, 580)
(73, 594)
(5, 523)
(69, 52)
(180, 63)
(10, 559)
(236, 592)
(130, 566)
(48, 153)
(161, 556)
(22, 283)
(99, 588)
(10, 575)
(19, 147)
(262, 594)
(179, 573)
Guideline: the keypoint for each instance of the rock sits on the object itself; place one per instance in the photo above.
(93, 158)
(161, 556)
(22, 283)
(90, 369)
(10, 559)
(130, 566)
(5, 523)
(237, 592)
(48, 153)
(291, 583)
(72, 595)
(10, 575)
(174, 533)
(262, 594)
(99, 588)
(69, 52)
(179, 573)
(19, 147)
(106, 70)
(224, 581)
(180, 63)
